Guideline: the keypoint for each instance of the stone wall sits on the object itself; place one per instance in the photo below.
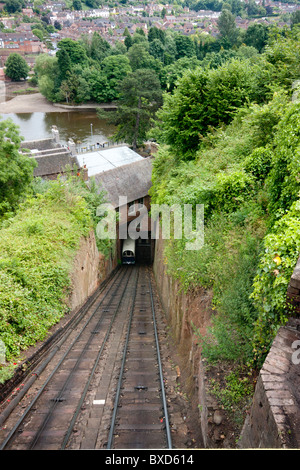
(182, 311)
(293, 291)
(274, 419)
(89, 269)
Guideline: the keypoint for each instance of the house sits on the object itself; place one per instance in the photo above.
(52, 158)
(132, 180)
(28, 12)
(170, 19)
(23, 43)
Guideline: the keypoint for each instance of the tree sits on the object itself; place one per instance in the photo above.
(74, 87)
(57, 25)
(140, 97)
(156, 33)
(98, 84)
(100, 48)
(140, 58)
(257, 36)
(295, 19)
(75, 50)
(184, 46)
(38, 33)
(115, 68)
(203, 99)
(157, 49)
(16, 67)
(128, 38)
(16, 169)
(13, 6)
(77, 5)
(227, 27)
(171, 73)
(64, 64)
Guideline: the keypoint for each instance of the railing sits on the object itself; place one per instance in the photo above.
(98, 146)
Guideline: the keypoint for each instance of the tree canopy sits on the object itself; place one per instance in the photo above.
(140, 98)
(16, 169)
(16, 67)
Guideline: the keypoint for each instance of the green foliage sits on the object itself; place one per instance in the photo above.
(283, 179)
(74, 49)
(16, 169)
(140, 97)
(13, 6)
(47, 70)
(282, 51)
(257, 36)
(16, 67)
(239, 171)
(258, 163)
(234, 394)
(37, 249)
(231, 190)
(280, 255)
(227, 26)
(205, 98)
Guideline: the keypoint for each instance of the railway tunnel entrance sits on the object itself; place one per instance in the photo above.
(134, 232)
(140, 251)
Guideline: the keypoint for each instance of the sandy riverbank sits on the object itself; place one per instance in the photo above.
(33, 103)
(37, 103)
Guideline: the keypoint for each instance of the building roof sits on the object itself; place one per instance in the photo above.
(107, 159)
(132, 180)
(54, 164)
(52, 158)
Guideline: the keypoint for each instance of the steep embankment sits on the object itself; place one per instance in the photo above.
(49, 264)
(245, 171)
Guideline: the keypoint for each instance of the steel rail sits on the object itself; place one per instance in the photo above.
(52, 345)
(28, 409)
(74, 368)
(117, 397)
(163, 395)
(83, 395)
(165, 406)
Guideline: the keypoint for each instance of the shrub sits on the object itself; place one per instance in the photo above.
(37, 248)
(259, 163)
(231, 190)
(281, 252)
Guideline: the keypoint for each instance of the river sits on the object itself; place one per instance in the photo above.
(84, 127)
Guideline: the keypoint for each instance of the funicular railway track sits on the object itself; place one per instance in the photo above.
(120, 321)
(140, 415)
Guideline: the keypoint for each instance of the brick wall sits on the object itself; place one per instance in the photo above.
(274, 420)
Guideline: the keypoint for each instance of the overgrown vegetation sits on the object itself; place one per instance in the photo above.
(228, 131)
(230, 140)
(40, 231)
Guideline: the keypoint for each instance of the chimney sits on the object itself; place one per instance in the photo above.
(55, 134)
(72, 147)
(85, 173)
